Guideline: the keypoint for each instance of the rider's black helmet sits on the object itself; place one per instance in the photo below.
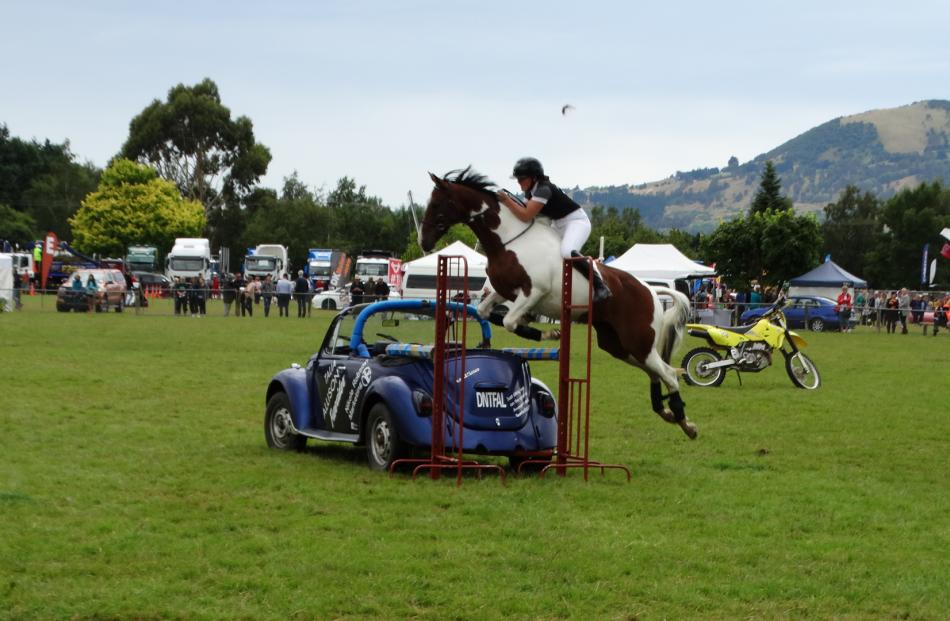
(528, 167)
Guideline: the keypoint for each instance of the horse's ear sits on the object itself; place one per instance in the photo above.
(436, 180)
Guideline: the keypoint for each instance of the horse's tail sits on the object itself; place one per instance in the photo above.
(674, 323)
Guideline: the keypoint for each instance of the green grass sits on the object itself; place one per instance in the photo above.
(135, 484)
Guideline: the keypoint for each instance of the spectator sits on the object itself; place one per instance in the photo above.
(381, 290)
(91, 289)
(356, 292)
(917, 306)
(284, 289)
(843, 308)
(250, 293)
(903, 300)
(301, 289)
(941, 314)
(267, 291)
(201, 296)
(215, 286)
(180, 291)
(859, 302)
(228, 294)
(240, 286)
(892, 310)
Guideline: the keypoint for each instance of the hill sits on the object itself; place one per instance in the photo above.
(880, 151)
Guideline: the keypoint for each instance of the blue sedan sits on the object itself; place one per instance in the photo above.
(380, 394)
(804, 311)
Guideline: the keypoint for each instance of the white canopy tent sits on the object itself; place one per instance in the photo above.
(419, 276)
(6, 281)
(660, 261)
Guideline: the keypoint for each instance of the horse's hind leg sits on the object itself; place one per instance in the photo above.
(660, 371)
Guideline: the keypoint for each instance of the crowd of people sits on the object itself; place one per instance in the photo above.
(886, 309)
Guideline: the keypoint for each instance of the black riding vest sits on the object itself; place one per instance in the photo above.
(559, 204)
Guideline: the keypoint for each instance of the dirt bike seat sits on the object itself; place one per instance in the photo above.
(739, 329)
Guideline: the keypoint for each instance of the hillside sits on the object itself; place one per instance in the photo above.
(880, 151)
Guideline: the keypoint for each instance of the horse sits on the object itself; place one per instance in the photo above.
(525, 269)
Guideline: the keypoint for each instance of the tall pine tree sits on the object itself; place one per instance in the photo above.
(769, 195)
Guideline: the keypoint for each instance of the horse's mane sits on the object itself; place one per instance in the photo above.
(470, 179)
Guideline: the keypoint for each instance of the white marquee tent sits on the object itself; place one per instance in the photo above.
(419, 276)
(660, 261)
(6, 280)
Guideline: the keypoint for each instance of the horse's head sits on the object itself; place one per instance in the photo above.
(453, 201)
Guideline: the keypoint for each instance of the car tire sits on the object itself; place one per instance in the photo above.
(383, 444)
(328, 305)
(278, 425)
(62, 308)
(515, 462)
(695, 375)
(817, 325)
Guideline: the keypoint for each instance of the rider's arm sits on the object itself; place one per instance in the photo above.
(526, 213)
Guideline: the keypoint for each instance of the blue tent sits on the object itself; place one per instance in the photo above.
(828, 274)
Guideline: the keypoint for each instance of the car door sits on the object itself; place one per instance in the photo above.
(795, 313)
(340, 380)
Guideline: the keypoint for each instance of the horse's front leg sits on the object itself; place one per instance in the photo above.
(490, 301)
(515, 317)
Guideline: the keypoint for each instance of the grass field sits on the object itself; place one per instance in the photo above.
(135, 484)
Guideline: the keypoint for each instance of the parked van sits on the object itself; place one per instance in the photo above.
(419, 276)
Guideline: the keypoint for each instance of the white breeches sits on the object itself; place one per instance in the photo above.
(574, 229)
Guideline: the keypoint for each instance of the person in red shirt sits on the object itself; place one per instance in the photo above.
(844, 309)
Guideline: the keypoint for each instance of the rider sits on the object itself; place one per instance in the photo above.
(567, 217)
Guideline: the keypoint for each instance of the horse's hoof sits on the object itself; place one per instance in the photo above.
(689, 429)
(553, 335)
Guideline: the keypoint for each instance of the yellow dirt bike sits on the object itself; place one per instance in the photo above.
(749, 348)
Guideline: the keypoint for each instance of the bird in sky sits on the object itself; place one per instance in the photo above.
(565, 108)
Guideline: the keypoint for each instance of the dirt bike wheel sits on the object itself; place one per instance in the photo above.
(802, 371)
(694, 363)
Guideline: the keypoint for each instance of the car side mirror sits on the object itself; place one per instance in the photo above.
(390, 323)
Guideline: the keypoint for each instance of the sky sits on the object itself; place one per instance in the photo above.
(384, 92)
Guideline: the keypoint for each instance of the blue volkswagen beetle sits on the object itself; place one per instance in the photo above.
(379, 394)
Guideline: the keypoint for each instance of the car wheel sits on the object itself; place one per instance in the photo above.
(383, 444)
(328, 305)
(515, 462)
(802, 371)
(278, 425)
(694, 363)
(817, 325)
(62, 308)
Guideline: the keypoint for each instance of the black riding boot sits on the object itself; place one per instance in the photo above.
(601, 291)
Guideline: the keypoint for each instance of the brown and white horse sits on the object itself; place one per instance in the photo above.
(525, 269)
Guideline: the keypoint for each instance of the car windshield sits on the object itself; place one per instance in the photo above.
(187, 265)
(399, 327)
(319, 268)
(261, 263)
(365, 270)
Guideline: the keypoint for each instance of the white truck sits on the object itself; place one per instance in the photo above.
(189, 258)
(267, 260)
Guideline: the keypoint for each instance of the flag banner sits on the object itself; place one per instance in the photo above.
(50, 246)
(923, 265)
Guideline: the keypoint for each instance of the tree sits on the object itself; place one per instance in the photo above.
(771, 247)
(851, 228)
(769, 194)
(133, 206)
(193, 142)
(16, 226)
(909, 219)
(43, 182)
(733, 162)
(296, 219)
(620, 228)
(458, 232)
